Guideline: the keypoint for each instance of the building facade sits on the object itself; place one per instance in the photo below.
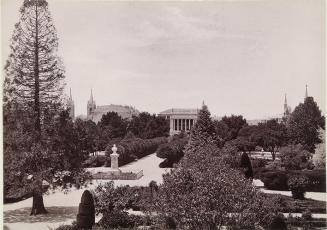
(95, 112)
(180, 119)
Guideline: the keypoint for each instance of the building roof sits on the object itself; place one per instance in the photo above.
(126, 112)
(179, 111)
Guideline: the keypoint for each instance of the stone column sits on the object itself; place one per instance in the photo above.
(171, 124)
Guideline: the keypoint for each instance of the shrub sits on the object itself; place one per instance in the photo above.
(307, 215)
(246, 165)
(278, 223)
(202, 182)
(295, 157)
(95, 161)
(258, 163)
(298, 185)
(172, 151)
(277, 179)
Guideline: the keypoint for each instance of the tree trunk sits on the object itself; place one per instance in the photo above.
(38, 205)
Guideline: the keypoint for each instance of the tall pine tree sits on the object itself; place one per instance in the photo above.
(34, 83)
(34, 72)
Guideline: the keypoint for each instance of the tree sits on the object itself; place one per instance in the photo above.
(111, 126)
(88, 136)
(34, 73)
(203, 132)
(203, 192)
(229, 127)
(304, 124)
(246, 165)
(33, 88)
(271, 135)
(148, 126)
(295, 157)
(319, 158)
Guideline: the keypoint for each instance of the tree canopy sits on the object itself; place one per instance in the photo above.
(304, 124)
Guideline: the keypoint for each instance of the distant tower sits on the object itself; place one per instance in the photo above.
(306, 92)
(91, 106)
(71, 105)
(286, 107)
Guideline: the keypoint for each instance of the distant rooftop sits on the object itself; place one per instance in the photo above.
(179, 111)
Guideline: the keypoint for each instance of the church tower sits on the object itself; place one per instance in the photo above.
(286, 107)
(71, 105)
(91, 106)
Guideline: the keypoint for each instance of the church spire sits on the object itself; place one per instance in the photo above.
(91, 97)
(306, 91)
(70, 94)
(285, 101)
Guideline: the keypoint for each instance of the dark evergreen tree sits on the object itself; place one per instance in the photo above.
(246, 165)
(304, 124)
(203, 132)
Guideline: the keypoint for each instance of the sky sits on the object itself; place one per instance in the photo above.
(239, 57)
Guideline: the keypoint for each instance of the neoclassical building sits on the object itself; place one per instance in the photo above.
(180, 119)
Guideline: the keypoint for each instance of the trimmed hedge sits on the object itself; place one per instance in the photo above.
(172, 151)
(95, 161)
(131, 149)
(278, 179)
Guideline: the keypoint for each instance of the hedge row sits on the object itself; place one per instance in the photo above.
(131, 149)
(277, 179)
(172, 152)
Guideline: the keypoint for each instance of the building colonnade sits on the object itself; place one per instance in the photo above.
(181, 124)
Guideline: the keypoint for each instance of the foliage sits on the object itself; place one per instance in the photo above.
(319, 158)
(271, 135)
(33, 72)
(203, 190)
(147, 126)
(87, 136)
(228, 127)
(287, 204)
(172, 151)
(111, 126)
(203, 132)
(298, 185)
(304, 124)
(277, 179)
(295, 157)
(55, 158)
(246, 165)
(258, 163)
(278, 223)
(95, 161)
(134, 148)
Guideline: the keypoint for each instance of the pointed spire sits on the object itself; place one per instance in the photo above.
(70, 94)
(285, 101)
(306, 91)
(203, 104)
(91, 98)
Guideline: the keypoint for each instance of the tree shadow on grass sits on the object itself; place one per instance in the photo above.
(56, 214)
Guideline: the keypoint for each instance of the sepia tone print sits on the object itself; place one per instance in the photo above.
(163, 115)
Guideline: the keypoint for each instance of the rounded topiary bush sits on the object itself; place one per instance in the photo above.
(278, 223)
(298, 184)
